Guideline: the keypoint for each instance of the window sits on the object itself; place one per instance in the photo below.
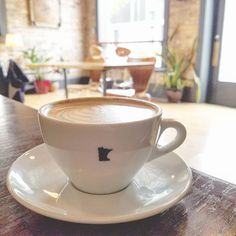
(139, 25)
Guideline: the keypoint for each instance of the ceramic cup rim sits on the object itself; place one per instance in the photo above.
(158, 109)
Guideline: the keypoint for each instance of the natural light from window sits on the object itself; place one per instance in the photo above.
(136, 24)
(228, 44)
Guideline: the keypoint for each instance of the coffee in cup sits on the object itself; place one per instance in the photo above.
(101, 143)
(99, 112)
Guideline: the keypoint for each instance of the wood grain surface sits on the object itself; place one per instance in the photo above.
(208, 209)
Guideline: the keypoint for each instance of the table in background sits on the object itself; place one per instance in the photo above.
(88, 66)
(208, 209)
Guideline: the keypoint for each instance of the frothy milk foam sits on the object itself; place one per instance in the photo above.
(100, 111)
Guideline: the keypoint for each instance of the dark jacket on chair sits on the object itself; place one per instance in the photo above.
(17, 80)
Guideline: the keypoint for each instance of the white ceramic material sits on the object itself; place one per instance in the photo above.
(37, 182)
(76, 146)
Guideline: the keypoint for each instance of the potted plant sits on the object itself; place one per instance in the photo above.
(177, 67)
(41, 84)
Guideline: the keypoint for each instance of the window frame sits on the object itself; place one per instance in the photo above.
(163, 42)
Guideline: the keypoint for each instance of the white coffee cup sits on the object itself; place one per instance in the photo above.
(100, 149)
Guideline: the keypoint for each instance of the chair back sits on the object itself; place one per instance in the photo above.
(141, 75)
(95, 52)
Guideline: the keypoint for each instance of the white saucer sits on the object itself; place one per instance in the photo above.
(36, 182)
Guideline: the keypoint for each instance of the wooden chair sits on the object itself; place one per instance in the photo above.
(141, 75)
(95, 55)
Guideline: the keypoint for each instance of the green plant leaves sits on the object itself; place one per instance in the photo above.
(177, 66)
(34, 57)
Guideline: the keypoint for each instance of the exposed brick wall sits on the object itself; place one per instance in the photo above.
(185, 14)
(66, 41)
(90, 25)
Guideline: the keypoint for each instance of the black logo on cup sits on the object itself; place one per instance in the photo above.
(103, 152)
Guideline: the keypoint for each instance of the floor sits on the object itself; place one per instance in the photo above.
(37, 100)
(210, 143)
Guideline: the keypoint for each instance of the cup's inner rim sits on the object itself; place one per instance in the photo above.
(103, 100)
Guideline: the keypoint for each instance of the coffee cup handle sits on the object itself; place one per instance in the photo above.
(158, 150)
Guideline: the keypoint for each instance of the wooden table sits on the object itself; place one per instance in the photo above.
(208, 209)
(88, 66)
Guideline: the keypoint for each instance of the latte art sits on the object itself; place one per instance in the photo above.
(99, 112)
